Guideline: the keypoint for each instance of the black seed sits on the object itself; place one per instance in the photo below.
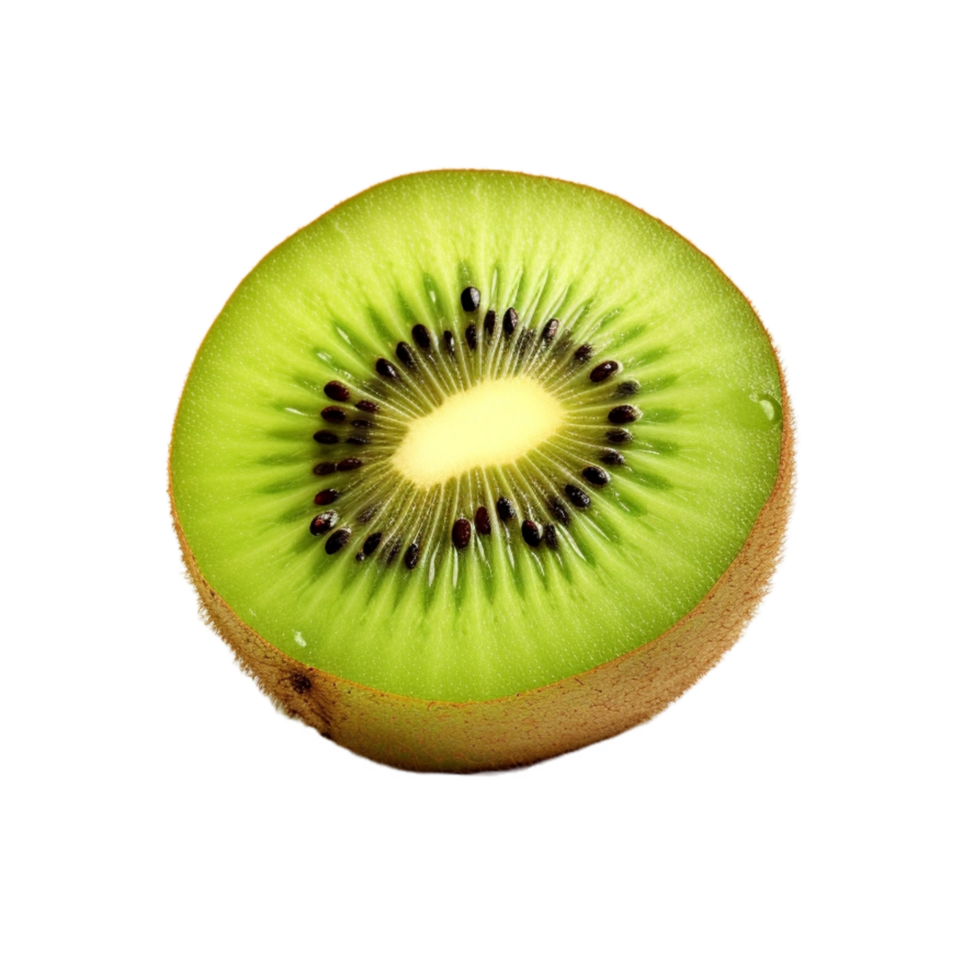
(323, 522)
(628, 388)
(558, 509)
(421, 337)
(386, 369)
(411, 555)
(351, 463)
(604, 371)
(623, 413)
(366, 514)
(323, 469)
(577, 495)
(510, 321)
(551, 537)
(337, 540)
(619, 435)
(336, 391)
(394, 551)
(358, 440)
(470, 298)
(326, 497)
(471, 337)
(404, 354)
(362, 423)
(461, 534)
(482, 520)
(531, 533)
(300, 683)
(489, 322)
(333, 414)
(449, 345)
(524, 345)
(371, 543)
(505, 509)
(596, 475)
(612, 458)
(366, 406)
(326, 438)
(584, 353)
(549, 331)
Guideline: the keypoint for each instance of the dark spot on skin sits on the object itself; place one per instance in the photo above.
(362, 423)
(482, 520)
(505, 509)
(337, 540)
(365, 406)
(612, 458)
(461, 534)
(404, 354)
(622, 414)
(326, 497)
(577, 495)
(628, 388)
(619, 435)
(449, 345)
(300, 683)
(333, 414)
(470, 298)
(324, 469)
(325, 438)
(421, 337)
(551, 537)
(549, 331)
(584, 353)
(371, 543)
(471, 337)
(596, 475)
(411, 555)
(489, 322)
(358, 440)
(351, 463)
(510, 321)
(336, 391)
(604, 371)
(558, 509)
(531, 533)
(323, 522)
(385, 369)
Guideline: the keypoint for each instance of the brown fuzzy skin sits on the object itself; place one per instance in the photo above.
(410, 733)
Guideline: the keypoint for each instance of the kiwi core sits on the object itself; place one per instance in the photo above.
(492, 424)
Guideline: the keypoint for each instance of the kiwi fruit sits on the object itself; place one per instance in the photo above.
(479, 468)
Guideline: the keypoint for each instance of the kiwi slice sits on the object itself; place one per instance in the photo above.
(478, 468)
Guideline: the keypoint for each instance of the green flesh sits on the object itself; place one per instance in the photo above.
(500, 616)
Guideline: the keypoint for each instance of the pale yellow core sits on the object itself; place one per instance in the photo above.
(494, 423)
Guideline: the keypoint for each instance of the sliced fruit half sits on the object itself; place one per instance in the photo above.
(478, 468)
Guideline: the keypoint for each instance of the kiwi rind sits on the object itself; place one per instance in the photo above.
(424, 734)
(502, 733)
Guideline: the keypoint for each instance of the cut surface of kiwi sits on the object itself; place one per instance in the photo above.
(480, 467)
